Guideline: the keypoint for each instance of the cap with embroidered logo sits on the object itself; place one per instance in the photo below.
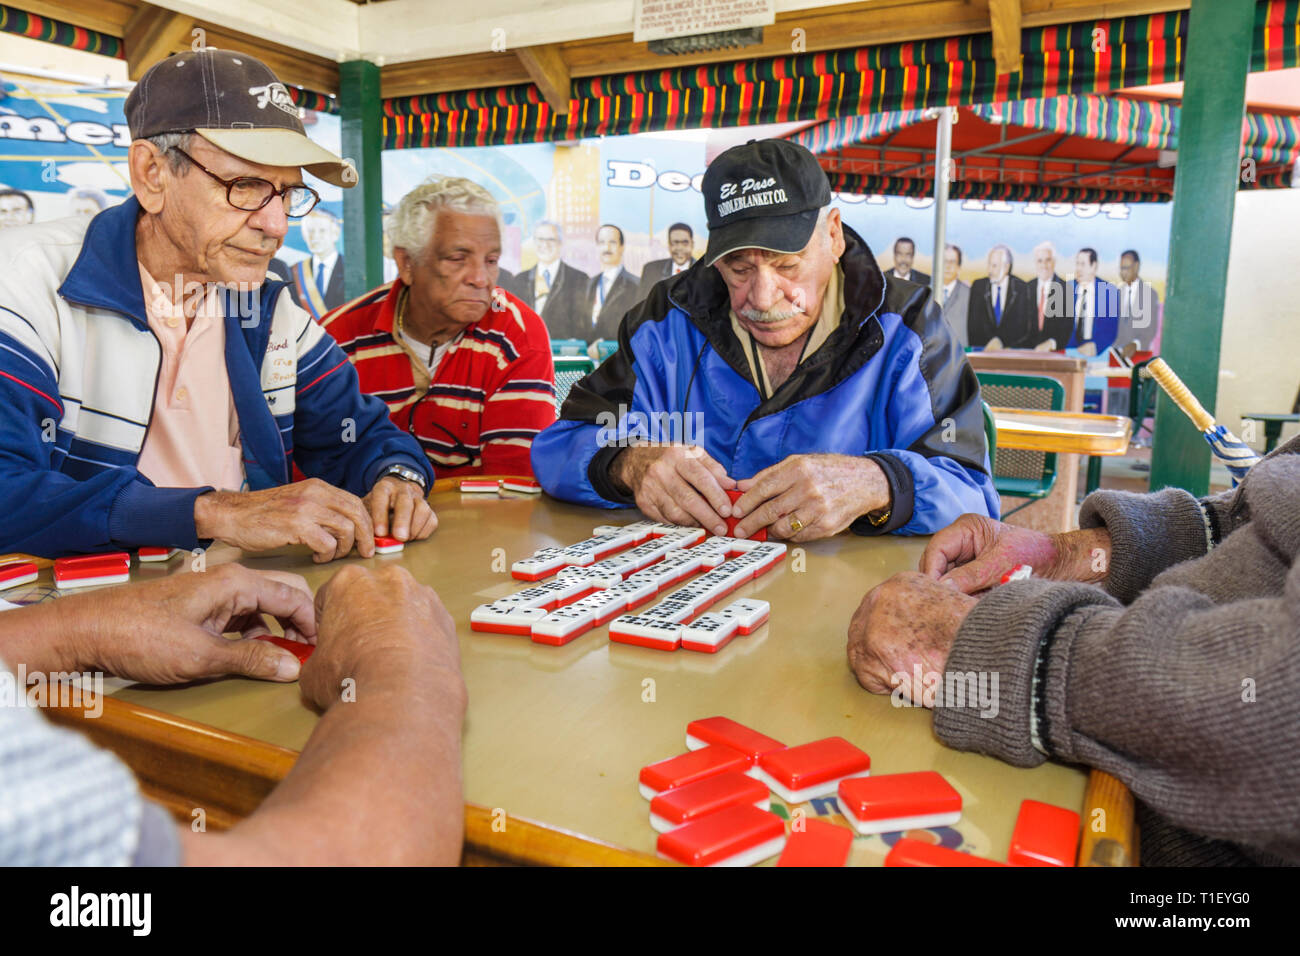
(237, 104)
(766, 194)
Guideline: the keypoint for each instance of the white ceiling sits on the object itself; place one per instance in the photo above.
(398, 31)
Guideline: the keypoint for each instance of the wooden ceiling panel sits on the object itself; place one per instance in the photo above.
(451, 73)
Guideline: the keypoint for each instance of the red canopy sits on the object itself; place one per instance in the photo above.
(1118, 148)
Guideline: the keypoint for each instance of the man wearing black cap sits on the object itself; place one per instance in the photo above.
(158, 390)
(790, 368)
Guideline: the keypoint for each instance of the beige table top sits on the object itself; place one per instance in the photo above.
(558, 734)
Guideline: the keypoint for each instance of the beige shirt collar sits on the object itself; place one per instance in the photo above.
(831, 311)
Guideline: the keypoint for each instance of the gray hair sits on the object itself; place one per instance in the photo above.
(412, 224)
(1011, 259)
(559, 233)
(1045, 246)
(167, 143)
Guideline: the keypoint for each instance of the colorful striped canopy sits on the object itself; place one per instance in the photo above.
(35, 27)
(1150, 125)
(865, 82)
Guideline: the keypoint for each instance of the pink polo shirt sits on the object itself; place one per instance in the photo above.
(193, 437)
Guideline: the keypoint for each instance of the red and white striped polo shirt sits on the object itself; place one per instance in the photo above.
(493, 391)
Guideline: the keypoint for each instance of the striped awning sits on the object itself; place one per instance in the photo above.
(1268, 139)
(889, 78)
(35, 27)
(964, 189)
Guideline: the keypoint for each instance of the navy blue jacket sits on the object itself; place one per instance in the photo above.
(889, 383)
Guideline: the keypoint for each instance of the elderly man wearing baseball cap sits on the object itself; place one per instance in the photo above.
(783, 365)
(157, 389)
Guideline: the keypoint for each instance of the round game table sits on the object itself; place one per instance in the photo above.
(555, 736)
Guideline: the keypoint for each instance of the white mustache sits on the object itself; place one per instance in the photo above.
(769, 316)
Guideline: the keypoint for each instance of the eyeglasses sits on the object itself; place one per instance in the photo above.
(251, 193)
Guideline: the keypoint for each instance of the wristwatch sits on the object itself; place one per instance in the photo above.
(406, 474)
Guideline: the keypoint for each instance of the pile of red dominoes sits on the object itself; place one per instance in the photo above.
(711, 805)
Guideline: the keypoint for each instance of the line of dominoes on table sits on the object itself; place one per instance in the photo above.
(114, 567)
(712, 805)
(605, 578)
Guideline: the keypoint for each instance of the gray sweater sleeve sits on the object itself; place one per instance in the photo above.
(1148, 533)
(1152, 532)
(1193, 705)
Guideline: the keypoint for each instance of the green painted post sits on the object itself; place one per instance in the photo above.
(1219, 36)
(359, 108)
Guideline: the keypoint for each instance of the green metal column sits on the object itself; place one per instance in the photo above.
(1219, 37)
(359, 107)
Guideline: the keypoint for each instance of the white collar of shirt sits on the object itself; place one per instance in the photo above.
(903, 275)
(551, 269)
(327, 264)
(1001, 286)
(948, 287)
(679, 268)
(421, 350)
(610, 275)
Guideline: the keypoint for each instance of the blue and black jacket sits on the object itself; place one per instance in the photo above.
(890, 383)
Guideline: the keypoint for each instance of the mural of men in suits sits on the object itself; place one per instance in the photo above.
(16, 208)
(1053, 322)
(956, 295)
(904, 253)
(316, 282)
(681, 245)
(1096, 306)
(999, 316)
(552, 288)
(612, 290)
(1139, 305)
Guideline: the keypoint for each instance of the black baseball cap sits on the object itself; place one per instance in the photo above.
(236, 103)
(766, 194)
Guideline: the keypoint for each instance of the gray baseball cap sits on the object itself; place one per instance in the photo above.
(236, 103)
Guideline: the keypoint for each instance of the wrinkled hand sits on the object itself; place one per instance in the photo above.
(973, 553)
(677, 484)
(993, 344)
(1088, 348)
(326, 519)
(1047, 345)
(170, 631)
(371, 620)
(405, 501)
(908, 621)
(826, 492)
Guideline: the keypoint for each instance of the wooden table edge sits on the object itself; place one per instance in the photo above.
(187, 766)
(1062, 444)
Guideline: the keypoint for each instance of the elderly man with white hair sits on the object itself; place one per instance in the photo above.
(785, 366)
(1053, 322)
(463, 365)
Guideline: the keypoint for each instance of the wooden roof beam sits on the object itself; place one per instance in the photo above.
(150, 35)
(1005, 17)
(546, 67)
